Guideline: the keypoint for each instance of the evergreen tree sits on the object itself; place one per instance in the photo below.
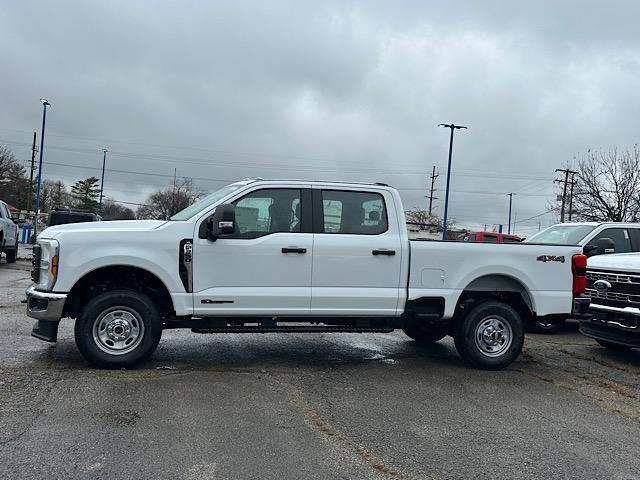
(85, 193)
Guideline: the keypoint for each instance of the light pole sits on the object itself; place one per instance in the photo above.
(446, 195)
(104, 160)
(510, 203)
(45, 104)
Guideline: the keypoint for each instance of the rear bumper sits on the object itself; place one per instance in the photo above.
(581, 308)
(613, 324)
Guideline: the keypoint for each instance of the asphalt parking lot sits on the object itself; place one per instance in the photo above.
(302, 406)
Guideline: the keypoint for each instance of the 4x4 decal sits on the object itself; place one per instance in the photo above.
(550, 258)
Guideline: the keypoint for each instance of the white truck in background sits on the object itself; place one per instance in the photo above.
(613, 283)
(8, 234)
(595, 238)
(294, 256)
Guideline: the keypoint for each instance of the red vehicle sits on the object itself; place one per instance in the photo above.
(489, 237)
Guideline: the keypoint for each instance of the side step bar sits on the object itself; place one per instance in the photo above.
(292, 329)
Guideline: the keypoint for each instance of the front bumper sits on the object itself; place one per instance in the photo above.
(45, 305)
(613, 324)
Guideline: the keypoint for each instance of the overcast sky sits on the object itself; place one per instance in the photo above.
(346, 90)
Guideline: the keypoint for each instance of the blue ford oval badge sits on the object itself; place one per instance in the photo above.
(602, 285)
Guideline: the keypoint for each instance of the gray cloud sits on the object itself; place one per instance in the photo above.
(342, 90)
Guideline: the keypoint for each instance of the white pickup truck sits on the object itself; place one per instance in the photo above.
(293, 256)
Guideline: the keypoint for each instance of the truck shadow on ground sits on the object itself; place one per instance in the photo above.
(255, 351)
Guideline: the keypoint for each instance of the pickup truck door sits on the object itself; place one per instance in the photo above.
(265, 267)
(357, 253)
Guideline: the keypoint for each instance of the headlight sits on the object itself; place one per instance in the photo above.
(46, 263)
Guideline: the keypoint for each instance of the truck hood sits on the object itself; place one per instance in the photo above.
(622, 262)
(113, 226)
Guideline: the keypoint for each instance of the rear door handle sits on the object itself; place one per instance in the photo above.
(293, 250)
(383, 251)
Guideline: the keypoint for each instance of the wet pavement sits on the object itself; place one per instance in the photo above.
(300, 406)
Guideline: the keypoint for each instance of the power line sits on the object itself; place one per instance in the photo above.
(208, 162)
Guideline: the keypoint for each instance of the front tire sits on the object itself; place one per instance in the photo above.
(11, 254)
(118, 329)
(490, 336)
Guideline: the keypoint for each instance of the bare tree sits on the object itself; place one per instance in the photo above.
(115, 211)
(607, 186)
(165, 203)
(424, 221)
(14, 185)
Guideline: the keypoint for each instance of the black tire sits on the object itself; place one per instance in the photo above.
(12, 253)
(506, 325)
(537, 326)
(423, 333)
(112, 313)
(613, 346)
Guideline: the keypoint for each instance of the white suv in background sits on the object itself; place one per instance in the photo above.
(8, 234)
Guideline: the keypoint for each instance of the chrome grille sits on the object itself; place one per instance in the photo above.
(35, 263)
(625, 287)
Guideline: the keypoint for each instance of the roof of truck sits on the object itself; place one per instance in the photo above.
(597, 224)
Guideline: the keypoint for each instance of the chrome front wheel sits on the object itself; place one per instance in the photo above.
(118, 330)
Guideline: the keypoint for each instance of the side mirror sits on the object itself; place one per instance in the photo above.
(602, 246)
(221, 224)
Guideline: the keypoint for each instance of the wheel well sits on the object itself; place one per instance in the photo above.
(121, 276)
(498, 287)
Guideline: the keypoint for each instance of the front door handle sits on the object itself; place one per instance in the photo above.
(293, 250)
(383, 251)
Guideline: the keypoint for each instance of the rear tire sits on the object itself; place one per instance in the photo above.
(118, 329)
(424, 333)
(613, 346)
(490, 336)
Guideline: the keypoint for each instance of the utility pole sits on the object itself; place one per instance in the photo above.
(33, 167)
(173, 195)
(45, 104)
(446, 195)
(104, 161)
(566, 172)
(573, 182)
(434, 175)
(510, 204)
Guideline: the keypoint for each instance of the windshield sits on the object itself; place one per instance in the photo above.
(205, 202)
(566, 234)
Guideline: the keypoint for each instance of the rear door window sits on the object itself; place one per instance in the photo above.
(620, 237)
(491, 238)
(356, 213)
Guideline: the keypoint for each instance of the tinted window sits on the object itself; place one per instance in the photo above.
(267, 211)
(358, 213)
(620, 238)
(490, 238)
(635, 238)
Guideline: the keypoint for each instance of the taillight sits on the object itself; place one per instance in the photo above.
(579, 270)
